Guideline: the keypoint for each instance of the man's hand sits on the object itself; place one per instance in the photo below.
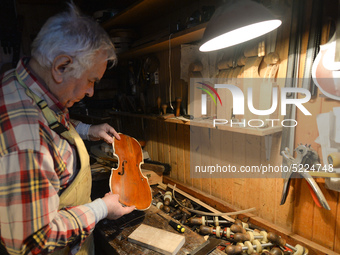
(114, 208)
(102, 131)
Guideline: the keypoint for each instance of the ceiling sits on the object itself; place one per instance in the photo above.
(87, 6)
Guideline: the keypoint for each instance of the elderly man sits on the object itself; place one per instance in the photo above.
(45, 178)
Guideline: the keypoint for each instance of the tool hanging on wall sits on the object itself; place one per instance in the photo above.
(313, 45)
(293, 69)
(306, 156)
(337, 48)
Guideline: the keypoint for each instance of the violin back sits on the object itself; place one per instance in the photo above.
(127, 179)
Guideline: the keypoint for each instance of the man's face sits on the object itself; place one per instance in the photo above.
(72, 90)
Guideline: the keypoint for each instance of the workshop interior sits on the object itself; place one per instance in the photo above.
(230, 112)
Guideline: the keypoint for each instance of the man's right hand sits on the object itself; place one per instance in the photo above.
(114, 208)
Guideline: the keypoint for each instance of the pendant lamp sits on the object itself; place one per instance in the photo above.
(237, 22)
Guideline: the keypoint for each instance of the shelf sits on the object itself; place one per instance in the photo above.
(185, 36)
(207, 124)
(144, 11)
(236, 129)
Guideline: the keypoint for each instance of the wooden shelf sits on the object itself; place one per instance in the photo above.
(144, 11)
(236, 129)
(185, 36)
(207, 124)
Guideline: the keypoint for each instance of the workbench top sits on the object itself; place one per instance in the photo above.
(115, 240)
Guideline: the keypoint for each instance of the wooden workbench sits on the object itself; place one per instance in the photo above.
(115, 240)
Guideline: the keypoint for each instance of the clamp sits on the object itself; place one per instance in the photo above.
(305, 156)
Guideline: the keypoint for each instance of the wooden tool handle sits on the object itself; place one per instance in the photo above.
(159, 100)
(238, 222)
(334, 159)
(164, 106)
(275, 239)
(276, 251)
(240, 237)
(178, 106)
(185, 211)
(195, 221)
(205, 230)
(167, 198)
(178, 211)
(237, 229)
(233, 249)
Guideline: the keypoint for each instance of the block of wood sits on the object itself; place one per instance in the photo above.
(153, 177)
(157, 239)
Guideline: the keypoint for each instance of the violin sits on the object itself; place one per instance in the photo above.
(127, 179)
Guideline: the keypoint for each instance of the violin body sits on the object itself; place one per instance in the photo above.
(127, 179)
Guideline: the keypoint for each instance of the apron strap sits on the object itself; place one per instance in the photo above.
(52, 120)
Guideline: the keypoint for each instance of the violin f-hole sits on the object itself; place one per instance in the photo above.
(122, 172)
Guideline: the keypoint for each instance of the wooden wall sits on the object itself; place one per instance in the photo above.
(323, 226)
(170, 143)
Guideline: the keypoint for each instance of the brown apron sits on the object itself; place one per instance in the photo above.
(78, 193)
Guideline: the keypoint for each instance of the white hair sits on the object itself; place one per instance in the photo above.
(75, 35)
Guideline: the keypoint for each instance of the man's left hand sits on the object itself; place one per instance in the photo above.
(102, 132)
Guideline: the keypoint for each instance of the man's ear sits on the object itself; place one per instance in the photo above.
(59, 65)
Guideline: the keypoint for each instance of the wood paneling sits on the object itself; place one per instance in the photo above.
(180, 145)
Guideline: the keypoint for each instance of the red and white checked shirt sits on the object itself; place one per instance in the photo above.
(36, 164)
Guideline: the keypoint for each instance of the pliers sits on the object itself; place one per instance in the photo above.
(305, 155)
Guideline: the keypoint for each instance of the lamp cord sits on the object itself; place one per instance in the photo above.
(170, 77)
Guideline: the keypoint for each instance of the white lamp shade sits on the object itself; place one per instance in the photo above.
(236, 23)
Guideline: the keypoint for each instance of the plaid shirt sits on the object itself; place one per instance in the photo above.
(36, 165)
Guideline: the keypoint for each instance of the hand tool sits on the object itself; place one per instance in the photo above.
(274, 251)
(167, 198)
(206, 247)
(163, 207)
(293, 64)
(204, 221)
(178, 106)
(314, 38)
(174, 213)
(275, 239)
(253, 240)
(305, 156)
(248, 247)
(334, 159)
(256, 245)
(159, 101)
(231, 233)
(176, 226)
(164, 106)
